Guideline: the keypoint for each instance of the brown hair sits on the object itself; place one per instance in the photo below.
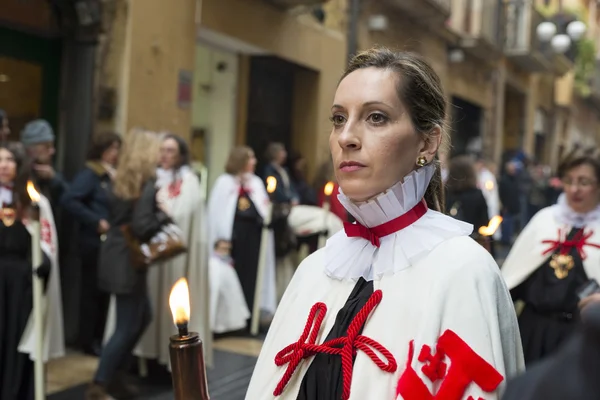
(420, 91)
(102, 142)
(461, 174)
(238, 159)
(137, 164)
(22, 175)
(578, 157)
(272, 150)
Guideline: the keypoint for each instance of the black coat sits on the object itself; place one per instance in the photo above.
(87, 199)
(571, 374)
(472, 205)
(115, 272)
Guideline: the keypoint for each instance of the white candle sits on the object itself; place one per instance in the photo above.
(326, 207)
(262, 258)
(38, 317)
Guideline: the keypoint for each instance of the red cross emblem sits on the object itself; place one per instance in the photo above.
(466, 367)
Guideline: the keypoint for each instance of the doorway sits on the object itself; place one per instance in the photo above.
(270, 105)
(467, 123)
(30, 69)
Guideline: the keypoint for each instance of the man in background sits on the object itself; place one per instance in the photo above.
(38, 139)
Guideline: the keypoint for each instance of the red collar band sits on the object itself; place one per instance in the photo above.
(375, 234)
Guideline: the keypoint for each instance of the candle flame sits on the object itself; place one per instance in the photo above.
(271, 184)
(328, 189)
(33, 194)
(492, 227)
(489, 185)
(179, 301)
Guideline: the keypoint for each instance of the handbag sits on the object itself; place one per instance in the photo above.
(165, 244)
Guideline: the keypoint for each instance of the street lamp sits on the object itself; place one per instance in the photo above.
(560, 42)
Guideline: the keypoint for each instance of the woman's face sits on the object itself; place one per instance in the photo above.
(373, 142)
(581, 188)
(169, 154)
(111, 155)
(251, 165)
(281, 157)
(8, 166)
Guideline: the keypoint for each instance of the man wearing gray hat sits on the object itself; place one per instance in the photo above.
(38, 139)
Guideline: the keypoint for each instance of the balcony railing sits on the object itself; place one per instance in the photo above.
(287, 4)
(480, 29)
(434, 12)
(521, 42)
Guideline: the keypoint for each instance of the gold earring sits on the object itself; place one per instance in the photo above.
(421, 161)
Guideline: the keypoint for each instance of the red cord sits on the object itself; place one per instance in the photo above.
(346, 346)
(580, 239)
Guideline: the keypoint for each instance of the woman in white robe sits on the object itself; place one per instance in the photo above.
(18, 339)
(236, 192)
(402, 304)
(180, 193)
(554, 257)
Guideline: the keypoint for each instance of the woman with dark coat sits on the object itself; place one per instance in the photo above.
(132, 203)
(86, 200)
(464, 201)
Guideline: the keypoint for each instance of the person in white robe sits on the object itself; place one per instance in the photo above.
(54, 343)
(402, 304)
(235, 193)
(180, 193)
(555, 257)
(228, 309)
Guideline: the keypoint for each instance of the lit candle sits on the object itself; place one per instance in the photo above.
(38, 285)
(492, 226)
(185, 349)
(262, 257)
(328, 190)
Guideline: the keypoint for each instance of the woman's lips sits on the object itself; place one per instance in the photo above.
(351, 166)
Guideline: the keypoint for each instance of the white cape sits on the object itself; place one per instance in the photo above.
(526, 255)
(228, 309)
(54, 344)
(222, 204)
(457, 287)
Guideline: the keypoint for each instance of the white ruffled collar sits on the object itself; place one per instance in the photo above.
(565, 214)
(164, 177)
(353, 258)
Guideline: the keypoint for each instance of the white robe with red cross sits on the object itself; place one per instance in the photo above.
(444, 328)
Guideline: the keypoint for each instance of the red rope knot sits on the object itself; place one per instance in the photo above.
(346, 346)
(564, 246)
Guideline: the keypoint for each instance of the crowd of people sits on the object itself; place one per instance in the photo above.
(399, 301)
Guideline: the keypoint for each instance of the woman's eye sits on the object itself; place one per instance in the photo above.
(377, 118)
(337, 120)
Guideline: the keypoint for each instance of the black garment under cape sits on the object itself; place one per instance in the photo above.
(16, 302)
(550, 315)
(245, 249)
(323, 379)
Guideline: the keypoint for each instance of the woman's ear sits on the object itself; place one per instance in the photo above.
(432, 143)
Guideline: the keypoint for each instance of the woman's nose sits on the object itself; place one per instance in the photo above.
(349, 138)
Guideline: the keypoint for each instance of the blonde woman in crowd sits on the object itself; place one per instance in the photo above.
(132, 203)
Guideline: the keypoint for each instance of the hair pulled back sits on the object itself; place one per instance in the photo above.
(420, 90)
